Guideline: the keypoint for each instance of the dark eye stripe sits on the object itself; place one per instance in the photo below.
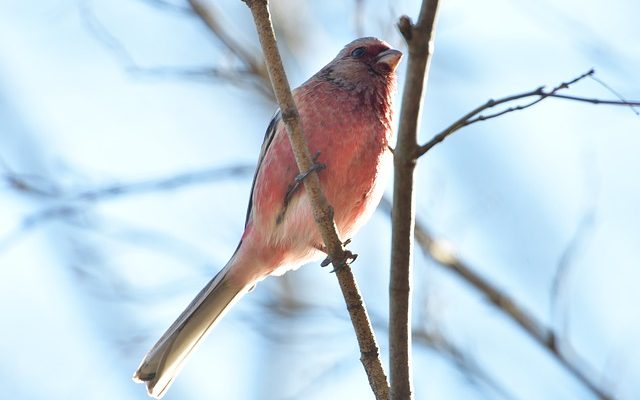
(359, 52)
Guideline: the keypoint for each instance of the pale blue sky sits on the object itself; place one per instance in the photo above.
(83, 300)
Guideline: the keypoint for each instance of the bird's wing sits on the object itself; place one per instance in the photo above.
(268, 138)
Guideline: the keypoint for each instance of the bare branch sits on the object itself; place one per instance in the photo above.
(37, 185)
(254, 66)
(584, 228)
(293, 308)
(443, 256)
(32, 185)
(631, 104)
(615, 93)
(358, 16)
(322, 211)
(244, 75)
(420, 39)
(466, 364)
(473, 116)
(469, 119)
(173, 182)
(536, 329)
(74, 204)
(167, 5)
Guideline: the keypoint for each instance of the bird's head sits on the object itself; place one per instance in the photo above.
(366, 60)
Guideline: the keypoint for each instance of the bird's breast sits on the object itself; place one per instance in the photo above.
(351, 139)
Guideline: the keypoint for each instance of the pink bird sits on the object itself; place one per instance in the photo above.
(346, 113)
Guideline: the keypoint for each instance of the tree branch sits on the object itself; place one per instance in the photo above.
(253, 65)
(543, 335)
(419, 38)
(474, 115)
(536, 329)
(476, 373)
(322, 211)
(72, 203)
(249, 73)
(629, 103)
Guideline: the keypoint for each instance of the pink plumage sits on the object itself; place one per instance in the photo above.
(346, 113)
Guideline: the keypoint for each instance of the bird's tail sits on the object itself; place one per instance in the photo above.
(164, 361)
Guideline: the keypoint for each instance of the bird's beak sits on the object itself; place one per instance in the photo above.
(390, 58)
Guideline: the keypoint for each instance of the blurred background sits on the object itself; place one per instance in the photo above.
(129, 131)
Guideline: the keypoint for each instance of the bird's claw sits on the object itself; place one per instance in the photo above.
(348, 259)
(315, 167)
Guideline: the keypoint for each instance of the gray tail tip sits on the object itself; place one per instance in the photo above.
(149, 380)
(140, 377)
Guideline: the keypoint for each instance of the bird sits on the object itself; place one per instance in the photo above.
(346, 111)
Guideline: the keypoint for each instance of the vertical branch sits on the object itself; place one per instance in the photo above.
(322, 211)
(419, 38)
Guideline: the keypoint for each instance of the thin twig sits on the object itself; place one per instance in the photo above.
(598, 101)
(419, 38)
(474, 115)
(322, 211)
(615, 93)
(469, 119)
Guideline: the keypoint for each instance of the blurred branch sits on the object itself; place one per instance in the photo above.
(254, 65)
(584, 228)
(322, 211)
(73, 203)
(246, 74)
(293, 308)
(34, 185)
(206, 175)
(358, 16)
(419, 38)
(111, 282)
(443, 255)
(167, 5)
(615, 93)
(474, 115)
(463, 361)
(30, 184)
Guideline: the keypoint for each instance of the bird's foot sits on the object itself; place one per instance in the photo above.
(297, 181)
(348, 259)
(315, 167)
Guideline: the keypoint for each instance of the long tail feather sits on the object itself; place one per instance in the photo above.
(164, 361)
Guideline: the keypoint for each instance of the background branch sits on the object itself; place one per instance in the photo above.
(536, 329)
(73, 203)
(251, 72)
(323, 213)
(254, 66)
(543, 335)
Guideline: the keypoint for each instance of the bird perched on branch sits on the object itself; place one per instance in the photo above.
(346, 114)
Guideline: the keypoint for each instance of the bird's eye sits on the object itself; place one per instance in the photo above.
(359, 52)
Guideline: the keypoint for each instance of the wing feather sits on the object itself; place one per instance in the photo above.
(268, 138)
